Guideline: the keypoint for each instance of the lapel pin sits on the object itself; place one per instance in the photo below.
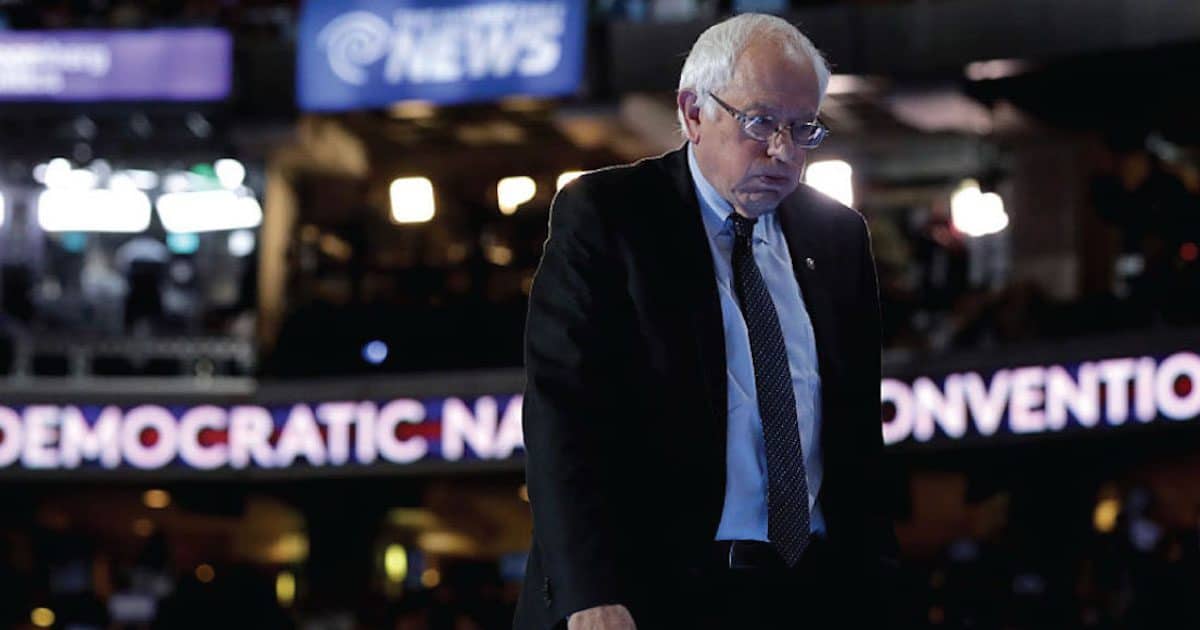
(810, 263)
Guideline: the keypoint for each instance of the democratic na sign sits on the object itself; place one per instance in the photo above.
(371, 53)
(211, 437)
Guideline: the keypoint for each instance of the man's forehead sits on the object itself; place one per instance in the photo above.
(789, 105)
(781, 107)
(779, 83)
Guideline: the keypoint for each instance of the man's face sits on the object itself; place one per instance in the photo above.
(753, 175)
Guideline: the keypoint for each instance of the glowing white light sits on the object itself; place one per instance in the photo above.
(975, 213)
(845, 84)
(57, 172)
(832, 177)
(514, 191)
(994, 69)
(93, 210)
(375, 352)
(241, 243)
(122, 182)
(176, 182)
(412, 199)
(207, 211)
(566, 177)
(81, 179)
(143, 179)
(1, 208)
(230, 172)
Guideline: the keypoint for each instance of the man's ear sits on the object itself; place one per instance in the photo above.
(685, 100)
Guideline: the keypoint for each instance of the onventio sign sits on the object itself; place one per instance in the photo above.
(1043, 399)
(210, 437)
(371, 53)
(185, 64)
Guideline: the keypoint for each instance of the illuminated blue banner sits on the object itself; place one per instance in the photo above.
(371, 53)
(169, 64)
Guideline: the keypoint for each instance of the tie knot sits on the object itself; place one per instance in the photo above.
(743, 228)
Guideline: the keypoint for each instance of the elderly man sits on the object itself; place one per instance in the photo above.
(702, 410)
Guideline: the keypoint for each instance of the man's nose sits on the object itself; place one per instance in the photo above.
(781, 147)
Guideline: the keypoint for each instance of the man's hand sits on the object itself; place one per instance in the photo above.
(612, 617)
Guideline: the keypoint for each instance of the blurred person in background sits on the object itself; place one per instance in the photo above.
(702, 410)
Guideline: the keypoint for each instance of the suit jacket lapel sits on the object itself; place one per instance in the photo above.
(699, 282)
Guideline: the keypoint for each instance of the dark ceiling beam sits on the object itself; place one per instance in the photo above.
(924, 39)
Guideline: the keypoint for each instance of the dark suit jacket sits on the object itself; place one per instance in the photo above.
(625, 394)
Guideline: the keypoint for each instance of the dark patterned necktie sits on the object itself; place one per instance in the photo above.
(787, 486)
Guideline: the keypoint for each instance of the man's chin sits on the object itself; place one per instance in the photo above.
(759, 201)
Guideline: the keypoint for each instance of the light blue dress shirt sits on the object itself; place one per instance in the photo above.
(744, 516)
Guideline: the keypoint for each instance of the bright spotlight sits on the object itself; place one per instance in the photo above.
(230, 173)
(514, 191)
(285, 588)
(566, 177)
(412, 199)
(99, 210)
(207, 211)
(975, 213)
(241, 243)
(832, 177)
(395, 563)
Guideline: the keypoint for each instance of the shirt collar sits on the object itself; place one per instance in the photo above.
(716, 209)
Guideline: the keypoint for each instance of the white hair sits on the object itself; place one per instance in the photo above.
(709, 65)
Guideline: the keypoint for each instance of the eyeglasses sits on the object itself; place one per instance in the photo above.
(804, 135)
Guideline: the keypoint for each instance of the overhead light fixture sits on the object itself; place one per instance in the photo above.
(847, 84)
(230, 172)
(56, 173)
(208, 211)
(995, 69)
(375, 352)
(430, 578)
(285, 588)
(42, 617)
(183, 243)
(241, 243)
(1104, 516)
(99, 210)
(498, 254)
(395, 562)
(205, 573)
(412, 199)
(412, 109)
(156, 499)
(141, 178)
(832, 177)
(176, 182)
(566, 177)
(1, 209)
(976, 213)
(514, 191)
